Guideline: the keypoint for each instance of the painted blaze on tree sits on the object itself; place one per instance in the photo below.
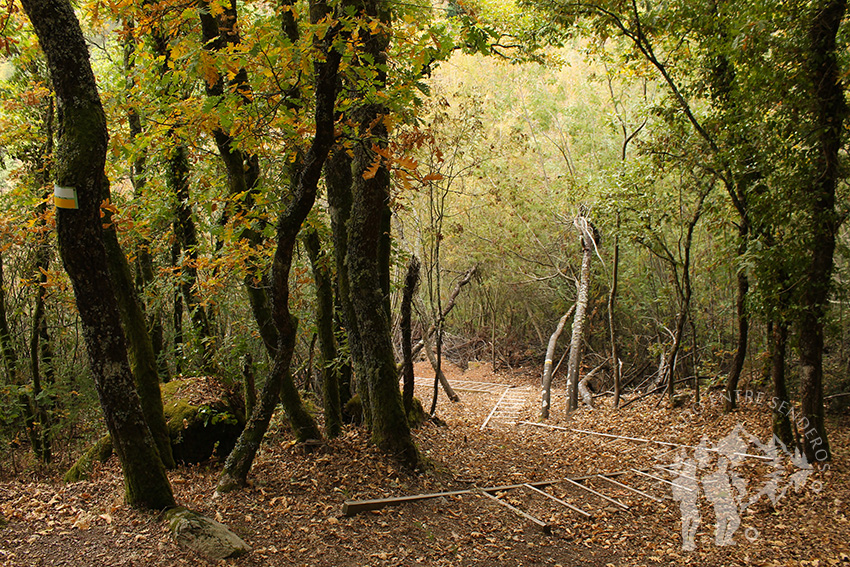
(80, 160)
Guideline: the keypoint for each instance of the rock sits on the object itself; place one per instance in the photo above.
(199, 425)
(204, 535)
(100, 452)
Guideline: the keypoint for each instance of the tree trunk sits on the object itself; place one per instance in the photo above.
(743, 329)
(781, 405)
(40, 352)
(576, 342)
(366, 233)
(325, 327)
(439, 377)
(243, 168)
(549, 363)
(338, 180)
(612, 328)
(411, 281)
(186, 234)
(80, 161)
(450, 303)
(139, 345)
(279, 382)
(828, 115)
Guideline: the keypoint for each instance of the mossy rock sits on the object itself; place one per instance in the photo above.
(352, 411)
(198, 431)
(204, 535)
(99, 452)
(200, 424)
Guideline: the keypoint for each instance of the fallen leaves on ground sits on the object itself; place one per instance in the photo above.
(292, 513)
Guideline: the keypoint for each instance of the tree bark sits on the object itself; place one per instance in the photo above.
(549, 363)
(279, 382)
(80, 161)
(325, 331)
(576, 342)
(411, 281)
(743, 328)
(828, 113)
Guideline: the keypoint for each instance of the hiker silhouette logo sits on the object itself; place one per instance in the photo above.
(714, 477)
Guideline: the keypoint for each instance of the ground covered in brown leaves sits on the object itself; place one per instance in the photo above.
(292, 515)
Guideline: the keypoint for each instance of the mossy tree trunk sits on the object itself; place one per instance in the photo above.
(827, 114)
(80, 161)
(139, 345)
(338, 180)
(411, 281)
(364, 252)
(325, 327)
(279, 382)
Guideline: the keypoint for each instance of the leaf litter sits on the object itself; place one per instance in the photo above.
(292, 512)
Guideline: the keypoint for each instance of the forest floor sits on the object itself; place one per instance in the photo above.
(292, 513)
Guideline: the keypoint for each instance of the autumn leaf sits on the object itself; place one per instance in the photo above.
(372, 170)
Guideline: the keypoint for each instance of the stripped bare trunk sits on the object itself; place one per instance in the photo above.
(548, 364)
(577, 341)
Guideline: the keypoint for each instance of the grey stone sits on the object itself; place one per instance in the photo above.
(204, 535)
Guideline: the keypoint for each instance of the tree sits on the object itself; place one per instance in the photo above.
(279, 383)
(80, 160)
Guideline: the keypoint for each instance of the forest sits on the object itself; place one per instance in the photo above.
(334, 282)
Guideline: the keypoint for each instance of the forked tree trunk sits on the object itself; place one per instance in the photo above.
(279, 383)
(548, 364)
(80, 161)
(781, 405)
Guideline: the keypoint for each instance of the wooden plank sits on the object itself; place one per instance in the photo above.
(493, 411)
(599, 494)
(663, 480)
(675, 473)
(627, 487)
(667, 443)
(559, 501)
(545, 527)
(352, 507)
